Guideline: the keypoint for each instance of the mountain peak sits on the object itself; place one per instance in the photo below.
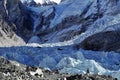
(42, 1)
(47, 1)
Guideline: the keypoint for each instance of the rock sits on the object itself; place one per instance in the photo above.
(105, 41)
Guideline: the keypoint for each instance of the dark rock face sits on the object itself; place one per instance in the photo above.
(106, 41)
(20, 16)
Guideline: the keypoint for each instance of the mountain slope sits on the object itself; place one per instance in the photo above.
(68, 22)
(73, 23)
(7, 35)
(56, 34)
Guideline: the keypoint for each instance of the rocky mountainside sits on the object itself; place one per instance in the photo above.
(8, 36)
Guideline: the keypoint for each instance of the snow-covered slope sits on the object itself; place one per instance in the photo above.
(72, 21)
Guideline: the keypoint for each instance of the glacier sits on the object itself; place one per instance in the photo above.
(66, 59)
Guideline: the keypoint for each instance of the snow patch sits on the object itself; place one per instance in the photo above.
(47, 1)
(38, 71)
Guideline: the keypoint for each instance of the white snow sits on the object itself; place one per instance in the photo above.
(42, 1)
(28, 1)
(6, 74)
(15, 63)
(38, 71)
(47, 1)
(66, 43)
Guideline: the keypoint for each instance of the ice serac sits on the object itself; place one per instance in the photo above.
(73, 66)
